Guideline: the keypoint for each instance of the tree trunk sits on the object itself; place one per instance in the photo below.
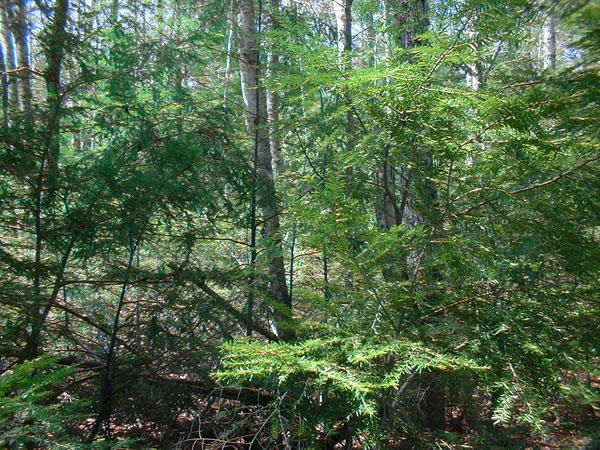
(9, 53)
(106, 384)
(55, 40)
(273, 100)
(387, 209)
(4, 85)
(387, 213)
(54, 55)
(473, 76)
(41, 312)
(20, 34)
(410, 19)
(407, 19)
(230, 23)
(256, 124)
(343, 20)
(549, 42)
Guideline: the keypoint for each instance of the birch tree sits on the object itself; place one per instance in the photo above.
(9, 53)
(548, 42)
(273, 98)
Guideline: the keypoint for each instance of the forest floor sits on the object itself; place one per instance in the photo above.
(206, 428)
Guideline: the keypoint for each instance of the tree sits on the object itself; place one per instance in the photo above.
(9, 55)
(548, 42)
(255, 102)
(434, 193)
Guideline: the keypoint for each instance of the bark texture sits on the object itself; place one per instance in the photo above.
(400, 187)
(20, 33)
(418, 204)
(255, 102)
(273, 100)
(549, 42)
(4, 84)
(54, 36)
(54, 54)
(9, 53)
(343, 18)
(473, 76)
(409, 18)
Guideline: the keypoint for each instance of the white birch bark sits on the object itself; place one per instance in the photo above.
(9, 53)
(343, 19)
(548, 43)
(473, 76)
(273, 100)
(230, 22)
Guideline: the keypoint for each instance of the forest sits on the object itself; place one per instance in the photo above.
(300, 224)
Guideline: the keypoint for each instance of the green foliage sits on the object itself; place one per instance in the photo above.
(477, 308)
(508, 270)
(29, 413)
(332, 380)
(37, 412)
